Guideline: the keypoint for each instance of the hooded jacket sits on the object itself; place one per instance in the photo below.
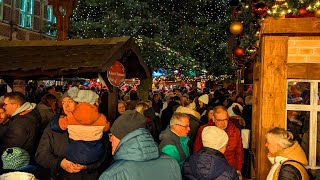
(208, 164)
(23, 130)
(234, 154)
(85, 127)
(138, 157)
(289, 170)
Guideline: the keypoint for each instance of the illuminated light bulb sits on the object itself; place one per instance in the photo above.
(283, 13)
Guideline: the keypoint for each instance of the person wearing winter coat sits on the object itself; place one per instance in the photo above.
(286, 156)
(174, 140)
(209, 162)
(52, 153)
(136, 155)
(85, 127)
(234, 154)
(23, 130)
(194, 118)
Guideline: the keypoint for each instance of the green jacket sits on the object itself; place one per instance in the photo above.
(175, 146)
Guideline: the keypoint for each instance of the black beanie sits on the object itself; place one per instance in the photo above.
(129, 121)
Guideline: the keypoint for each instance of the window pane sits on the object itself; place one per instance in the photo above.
(298, 93)
(298, 123)
(28, 21)
(22, 19)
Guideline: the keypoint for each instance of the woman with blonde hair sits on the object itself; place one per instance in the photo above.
(286, 156)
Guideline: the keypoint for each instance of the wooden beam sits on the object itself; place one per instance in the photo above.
(304, 71)
(291, 25)
(269, 96)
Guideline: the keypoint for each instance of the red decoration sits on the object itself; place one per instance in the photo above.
(302, 11)
(116, 74)
(260, 9)
(238, 52)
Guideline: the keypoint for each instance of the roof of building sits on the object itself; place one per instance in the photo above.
(51, 58)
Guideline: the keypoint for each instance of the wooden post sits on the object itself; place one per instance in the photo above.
(143, 89)
(62, 9)
(269, 104)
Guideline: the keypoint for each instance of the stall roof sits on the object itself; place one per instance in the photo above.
(51, 58)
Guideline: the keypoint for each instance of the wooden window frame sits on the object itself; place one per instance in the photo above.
(313, 108)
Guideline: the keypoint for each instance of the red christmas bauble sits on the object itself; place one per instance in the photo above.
(238, 52)
(302, 11)
(260, 9)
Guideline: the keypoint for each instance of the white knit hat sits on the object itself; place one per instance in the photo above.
(204, 98)
(87, 96)
(214, 137)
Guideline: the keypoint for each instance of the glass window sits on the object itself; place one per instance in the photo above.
(26, 13)
(298, 92)
(52, 20)
(303, 117)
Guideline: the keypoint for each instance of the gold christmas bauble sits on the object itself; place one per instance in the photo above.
(317, 13)
(236, 28)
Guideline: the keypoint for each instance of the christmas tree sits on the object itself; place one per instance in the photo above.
(172, 34)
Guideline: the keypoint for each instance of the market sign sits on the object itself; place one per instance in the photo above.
(116, 74)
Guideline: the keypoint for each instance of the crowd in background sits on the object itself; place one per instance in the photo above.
(57, 133)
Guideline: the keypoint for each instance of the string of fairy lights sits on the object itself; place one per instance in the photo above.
(171, 34)
(175, 34)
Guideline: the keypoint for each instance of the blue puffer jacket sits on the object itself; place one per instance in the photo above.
(137, 157)
(208, 164)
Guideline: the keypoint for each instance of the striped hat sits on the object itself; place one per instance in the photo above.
(15, 158)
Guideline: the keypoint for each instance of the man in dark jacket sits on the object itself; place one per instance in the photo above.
(209, 162)
(174, 140)
(24, 125)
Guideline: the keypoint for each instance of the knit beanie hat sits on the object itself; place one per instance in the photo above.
(15, 158)
(204, 98)
(214, 137)
(87, 96)
(129, 121)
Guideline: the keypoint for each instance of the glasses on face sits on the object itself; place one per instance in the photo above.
(186, 126)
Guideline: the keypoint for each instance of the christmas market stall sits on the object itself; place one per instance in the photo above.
(85, 58)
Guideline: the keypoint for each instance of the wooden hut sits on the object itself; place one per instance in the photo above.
(290, 52)
(71, 58)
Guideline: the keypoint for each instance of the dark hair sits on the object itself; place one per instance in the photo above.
(18, 97)
(49, 88)
(48, 98)
(209, 109)
(133, 95)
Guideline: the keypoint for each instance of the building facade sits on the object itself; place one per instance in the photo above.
(26, 20)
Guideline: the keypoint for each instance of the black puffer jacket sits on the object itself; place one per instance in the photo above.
(23, 131)
(208, 164)
(52, 150)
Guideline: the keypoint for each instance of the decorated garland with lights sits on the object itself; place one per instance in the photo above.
(248, 16)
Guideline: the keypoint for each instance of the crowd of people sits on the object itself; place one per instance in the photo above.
(194, 135)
